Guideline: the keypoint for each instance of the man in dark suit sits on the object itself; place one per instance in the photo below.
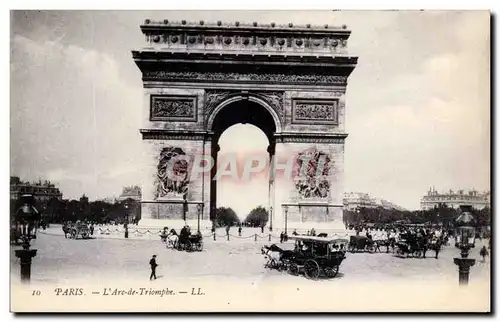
(153, 265)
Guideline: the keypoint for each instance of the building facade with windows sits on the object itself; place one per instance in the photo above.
(41, 191)
(131, 192)
(356, 200)
(455, 199)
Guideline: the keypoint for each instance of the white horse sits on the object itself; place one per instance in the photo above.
(273, 257)
(172, 240)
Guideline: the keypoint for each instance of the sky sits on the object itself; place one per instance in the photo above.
(417, 104)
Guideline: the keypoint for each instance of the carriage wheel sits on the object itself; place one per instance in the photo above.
(370, 249)
(73, 234)
(170, 244)
(311, 269)
(199, 247)
(188, 246)
(294, 269)
(352, 248)
(283, 265)
(399, 251)
(331, 272)
(418, 254)
(85, 235)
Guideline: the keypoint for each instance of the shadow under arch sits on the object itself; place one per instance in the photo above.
(250, 102)
(240, 109)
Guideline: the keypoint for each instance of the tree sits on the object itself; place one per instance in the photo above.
(55, 210)
(226, 216)
(258, 217)
(99, 209)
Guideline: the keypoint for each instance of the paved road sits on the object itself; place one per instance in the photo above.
(61, 260)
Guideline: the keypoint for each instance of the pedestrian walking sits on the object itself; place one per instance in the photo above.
(153, 265)
(483, 252)
(239, 231)
(282, 236)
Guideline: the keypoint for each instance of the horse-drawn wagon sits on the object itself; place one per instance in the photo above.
(75, 230)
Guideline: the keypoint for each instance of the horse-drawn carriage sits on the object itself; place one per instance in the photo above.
(361, 243)
(185, 241)
(411, 244)
(191, 243)
(312, 256)
(74, 230)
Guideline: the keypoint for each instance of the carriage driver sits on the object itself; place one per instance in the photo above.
(185, 233)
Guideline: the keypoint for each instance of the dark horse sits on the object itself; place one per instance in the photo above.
(436, 246)
(387, 243)
(66, 230)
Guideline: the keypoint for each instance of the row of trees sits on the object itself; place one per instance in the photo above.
(439, 215)
(58, 211)
(442, 214)
(128, 210)
(258, 217)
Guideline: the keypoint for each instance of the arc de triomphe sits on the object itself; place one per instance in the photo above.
(201, 78)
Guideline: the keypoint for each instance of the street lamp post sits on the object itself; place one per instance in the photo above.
(185, 209)
(125, 225)
(27, 218)
(200, 211)
(271, 218)
(358, 219)
(465, 240)
(285, 208)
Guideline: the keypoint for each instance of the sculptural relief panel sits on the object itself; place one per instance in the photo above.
(173, 108)
(172, 176)
(312, 169)
(315, 111)
(309, 79)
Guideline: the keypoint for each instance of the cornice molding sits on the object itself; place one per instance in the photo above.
(234, 77)
(310, 138)
(154, 134)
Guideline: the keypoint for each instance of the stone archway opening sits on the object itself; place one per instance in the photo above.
(242, 112)
(247, 186)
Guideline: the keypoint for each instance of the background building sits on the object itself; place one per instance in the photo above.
(42, 191)
(455, 199)
(130, 198)
(131, 192)
(354, 200)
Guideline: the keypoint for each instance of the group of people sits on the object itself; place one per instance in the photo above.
(284, 235)
(67, 225)
(398, 233)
